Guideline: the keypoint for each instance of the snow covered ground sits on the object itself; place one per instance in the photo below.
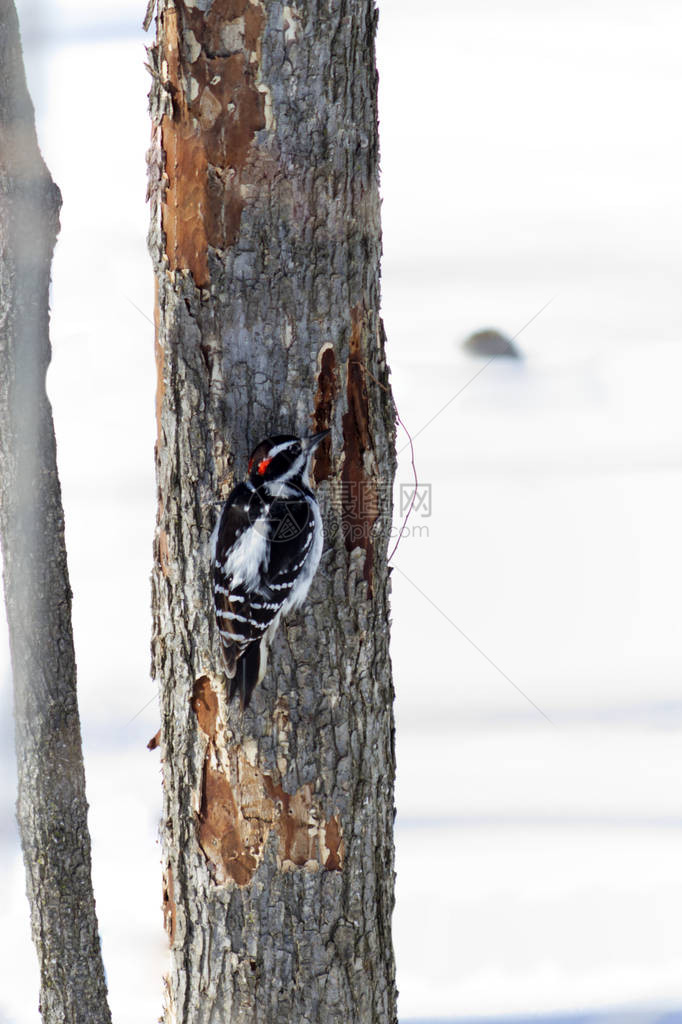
(531, 152)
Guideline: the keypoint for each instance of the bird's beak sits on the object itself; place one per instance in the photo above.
(309, 443)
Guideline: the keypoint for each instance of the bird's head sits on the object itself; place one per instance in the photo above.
(283, 458)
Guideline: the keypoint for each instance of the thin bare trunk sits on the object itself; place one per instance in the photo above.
(51, 805)
(265, 237)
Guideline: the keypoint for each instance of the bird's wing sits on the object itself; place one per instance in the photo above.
(249, 593)
(232, 574)
(291, 538)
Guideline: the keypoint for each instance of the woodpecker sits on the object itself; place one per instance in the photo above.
(265, 551)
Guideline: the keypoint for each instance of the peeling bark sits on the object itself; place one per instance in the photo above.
(217, 106)
(265, 238)
(241, 806)
(51, 804)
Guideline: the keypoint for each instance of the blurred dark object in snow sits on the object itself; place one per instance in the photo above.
(491, 343)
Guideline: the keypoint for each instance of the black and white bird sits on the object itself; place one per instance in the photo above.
(266, 548)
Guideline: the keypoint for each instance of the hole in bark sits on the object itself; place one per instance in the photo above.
(168, 904)
(205, 705)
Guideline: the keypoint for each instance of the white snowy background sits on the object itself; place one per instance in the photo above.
(531, 151)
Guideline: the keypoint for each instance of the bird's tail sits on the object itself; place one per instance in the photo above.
(248, 674)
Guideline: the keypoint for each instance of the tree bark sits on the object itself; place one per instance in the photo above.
(51, 805)
(265, 239)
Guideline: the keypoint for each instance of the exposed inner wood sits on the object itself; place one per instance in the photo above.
(205, 705)
(217, 108)
(241, 805)
(325, 399)
(154, 741)
(360, 500)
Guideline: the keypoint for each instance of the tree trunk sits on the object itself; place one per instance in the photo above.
(51, 805)
(265, 238)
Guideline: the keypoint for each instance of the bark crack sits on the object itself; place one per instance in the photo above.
(359, 495)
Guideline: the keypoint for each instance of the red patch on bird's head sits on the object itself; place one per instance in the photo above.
(263, 465)
(250, 463)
